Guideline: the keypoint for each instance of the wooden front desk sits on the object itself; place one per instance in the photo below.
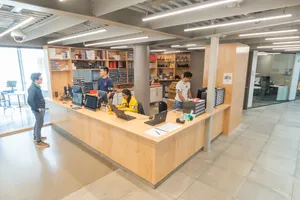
(126, 143)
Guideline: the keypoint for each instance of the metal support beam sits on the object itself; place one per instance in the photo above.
(210, 100)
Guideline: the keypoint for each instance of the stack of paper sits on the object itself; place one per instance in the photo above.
(163, 129)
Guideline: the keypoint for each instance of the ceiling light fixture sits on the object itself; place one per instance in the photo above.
(293, 50)
(196, 48)
(266, 54)
(268, 33)
(291, 42)
(119, 47)
(283, 38)
(183, 46)
(117, 41)
(282, 46)
(189, 9)
(157, 50)
(237, 23)
(77, 36)
(17, 26)
(171, 52)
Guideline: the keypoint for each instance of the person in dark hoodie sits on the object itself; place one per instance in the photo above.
(37, 103)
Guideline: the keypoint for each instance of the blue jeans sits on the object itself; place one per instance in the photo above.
(178, 104)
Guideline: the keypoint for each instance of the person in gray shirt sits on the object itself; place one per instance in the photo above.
(37, 103)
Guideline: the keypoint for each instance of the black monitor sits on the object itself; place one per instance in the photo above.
(77, 99)
(77, 89)
(200, 91)
(91, 102)
(102, 96)
(11, 84)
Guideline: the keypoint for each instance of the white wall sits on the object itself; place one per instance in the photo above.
(294, 78)
(275, 66)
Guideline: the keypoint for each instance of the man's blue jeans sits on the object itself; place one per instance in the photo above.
(178, 104)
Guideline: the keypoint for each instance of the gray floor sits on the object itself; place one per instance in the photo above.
(260, 161)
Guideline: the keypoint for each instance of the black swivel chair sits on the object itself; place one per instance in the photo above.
(141, 108)
(162, 106)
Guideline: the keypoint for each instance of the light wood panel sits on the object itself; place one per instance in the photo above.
(232, 58)
(126, 143)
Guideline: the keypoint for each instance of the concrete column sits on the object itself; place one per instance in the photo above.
(141, 76)
(210, 100)
(197, 68)
(252, 79)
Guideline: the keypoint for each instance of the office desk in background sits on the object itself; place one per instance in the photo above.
(18, 94)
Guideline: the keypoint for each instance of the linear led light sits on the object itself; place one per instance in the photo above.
(189, 9)
(237, 23)
(265, 53)
(283, 38)
(171, 52)
(292, 50)
(291, 42)
(158, 50)
(282, 46)
(119, 47)
(77, 36)
(17, 26)
(196, 48)
(268, 33)
(117, 41)
(183, 46)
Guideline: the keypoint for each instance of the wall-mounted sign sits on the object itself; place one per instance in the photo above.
(227, 78)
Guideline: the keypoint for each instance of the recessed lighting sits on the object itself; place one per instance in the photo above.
(117, 41)
(17, 26)
(283, 38)
(189, 9)
(77, 36)
(167, 52)
(157, 50)
(196, 48)
(119, 47)
(282, 46)
(237, 23)
(291, 42)
(268, 33)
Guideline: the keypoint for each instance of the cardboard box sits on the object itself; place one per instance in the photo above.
(171, 103)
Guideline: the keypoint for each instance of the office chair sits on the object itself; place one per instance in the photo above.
(141, 108)
(162, 106)
(265, 85)
(6, 102)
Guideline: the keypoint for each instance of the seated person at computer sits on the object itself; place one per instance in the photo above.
(105, 83)
(129, 103)
(183, 90)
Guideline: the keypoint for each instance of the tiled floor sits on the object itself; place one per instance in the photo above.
(260, 161)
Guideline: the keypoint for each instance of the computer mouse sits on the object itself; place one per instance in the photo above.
(151, 117)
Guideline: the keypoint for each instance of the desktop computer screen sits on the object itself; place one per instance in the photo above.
(77, 99)
(91, 102)
(102, 96)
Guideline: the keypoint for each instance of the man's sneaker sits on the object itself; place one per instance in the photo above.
(42, 138)
(42, 145)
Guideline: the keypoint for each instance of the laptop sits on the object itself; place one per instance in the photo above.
(121, 114)
(158, 118)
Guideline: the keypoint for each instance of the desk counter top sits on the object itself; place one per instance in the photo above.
(137, 126)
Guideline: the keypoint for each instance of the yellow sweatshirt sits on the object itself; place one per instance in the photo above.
(132, 107)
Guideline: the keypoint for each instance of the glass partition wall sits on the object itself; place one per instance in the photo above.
(17, 64)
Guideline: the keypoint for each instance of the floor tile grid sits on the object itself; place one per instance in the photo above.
(239, 133)
(235, 196)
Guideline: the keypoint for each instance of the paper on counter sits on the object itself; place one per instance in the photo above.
(163, 129)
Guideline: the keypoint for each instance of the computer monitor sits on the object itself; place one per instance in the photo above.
(200, 91)
(11, 84)
(102, 96)
(91, 102)
(77, 99)
(77, 89)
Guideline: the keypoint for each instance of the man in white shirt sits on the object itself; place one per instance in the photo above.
(183, 90)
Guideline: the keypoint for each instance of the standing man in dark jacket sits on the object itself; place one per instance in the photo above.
(37, 104)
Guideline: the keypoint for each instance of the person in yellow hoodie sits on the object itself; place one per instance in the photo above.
(129, 103)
